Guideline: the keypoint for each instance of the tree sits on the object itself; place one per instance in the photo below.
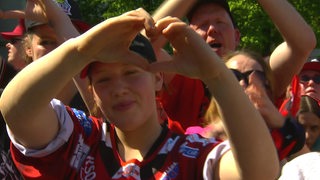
(95, 11)
(258, 32)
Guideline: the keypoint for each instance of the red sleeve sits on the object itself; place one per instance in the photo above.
(184, 101)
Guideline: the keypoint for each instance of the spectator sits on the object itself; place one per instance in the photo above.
(14, 46)
(309, 117)
(310, 79)
(186, 100)
(42, 38)
(303, 167)
(255, 76)
(58, 143)
(7, 168)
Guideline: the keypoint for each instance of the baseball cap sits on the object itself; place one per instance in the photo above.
(72, 9)
(140, 45)
(222, 3)
(18, 31)
(312, 64)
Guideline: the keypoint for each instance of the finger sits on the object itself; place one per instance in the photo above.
(256, 81)
(116, 33)
(149, 24)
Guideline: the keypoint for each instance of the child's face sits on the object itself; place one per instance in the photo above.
(44, 40)
(125, 93)
(311, 124)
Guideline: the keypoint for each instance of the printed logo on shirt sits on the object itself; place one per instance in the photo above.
(195, 138)
(189, 151)
(171, 173)
(128, 171)
(169, 145)
(80, 153)
(84, 120)
(88, 169)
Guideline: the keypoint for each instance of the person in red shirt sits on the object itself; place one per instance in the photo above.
(310, 79)
(185, 100)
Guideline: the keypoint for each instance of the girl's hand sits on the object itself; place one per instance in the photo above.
(192, 56)
(109, 41)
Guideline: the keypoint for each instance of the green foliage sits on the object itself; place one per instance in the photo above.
(95, 11)
(257, 31)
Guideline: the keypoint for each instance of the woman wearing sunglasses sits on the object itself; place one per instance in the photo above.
(254, 75)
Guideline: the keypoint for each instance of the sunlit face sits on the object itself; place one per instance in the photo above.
(243, 64)
(125, 93)
(308, 84)
(15, 57)
(311, 124)
(213, 23)
(43, 40)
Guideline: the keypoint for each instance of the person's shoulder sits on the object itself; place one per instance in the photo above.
(311, 156)
(199, 142)
(305, 160)
(81, 120)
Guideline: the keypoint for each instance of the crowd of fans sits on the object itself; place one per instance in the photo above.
(107, 101)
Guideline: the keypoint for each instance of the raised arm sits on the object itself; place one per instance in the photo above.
(174, 8)
(299, 40)
(63, 26)
(12, 14)
(246, 129)
(25, 101)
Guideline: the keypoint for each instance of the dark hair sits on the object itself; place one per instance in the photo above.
(140, 45)
(7, 72)
(222, 3)
(309, 104)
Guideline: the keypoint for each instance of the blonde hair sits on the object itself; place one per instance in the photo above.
(26, 43)
(212, 114)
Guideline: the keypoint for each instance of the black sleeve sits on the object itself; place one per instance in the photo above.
(289, 139)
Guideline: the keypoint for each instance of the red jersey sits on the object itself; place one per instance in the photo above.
(85, 148)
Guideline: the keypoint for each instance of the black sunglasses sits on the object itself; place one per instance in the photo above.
(14, 40)
(245, 76)
(315, 79)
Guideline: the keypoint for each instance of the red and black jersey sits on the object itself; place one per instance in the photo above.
(90, 152)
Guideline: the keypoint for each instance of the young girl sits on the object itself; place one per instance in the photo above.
(51, 140)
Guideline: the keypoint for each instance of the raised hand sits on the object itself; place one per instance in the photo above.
(259, 97)
(100, 43)
(192, 56)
